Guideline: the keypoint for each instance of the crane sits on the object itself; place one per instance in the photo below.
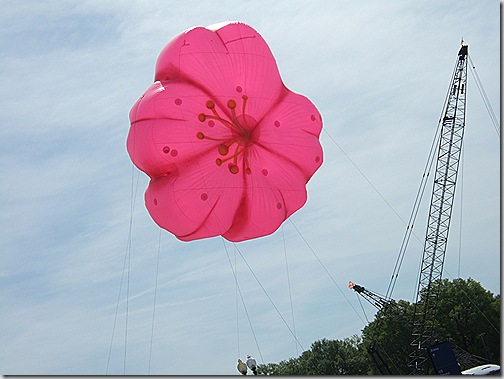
(448, 157)
(441, 205)
(379, 302)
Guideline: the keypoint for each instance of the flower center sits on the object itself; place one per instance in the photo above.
(244, 133)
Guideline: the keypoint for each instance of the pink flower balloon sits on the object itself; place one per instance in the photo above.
(228, 148)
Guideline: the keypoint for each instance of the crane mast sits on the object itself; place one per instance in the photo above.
(449, 149)
(448, 158)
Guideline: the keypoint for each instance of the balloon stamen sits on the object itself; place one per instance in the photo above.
(241, 134)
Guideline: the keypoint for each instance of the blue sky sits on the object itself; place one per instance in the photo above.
(377, 71)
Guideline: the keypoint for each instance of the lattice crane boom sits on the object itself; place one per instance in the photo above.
(377, 300)
(448, 158)
(449, 151)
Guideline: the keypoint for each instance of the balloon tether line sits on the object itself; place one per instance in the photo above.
(243, 301)
(127, 255)
(154, 302)
(290, 291)
(268, 296)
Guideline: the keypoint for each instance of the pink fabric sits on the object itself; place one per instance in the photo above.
(228, 148)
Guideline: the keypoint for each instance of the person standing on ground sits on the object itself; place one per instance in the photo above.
(252, 364)
(242, 367)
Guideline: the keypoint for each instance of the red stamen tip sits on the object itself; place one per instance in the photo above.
(233, 169)
(223, 149)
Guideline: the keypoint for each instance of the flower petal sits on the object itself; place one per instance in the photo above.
(165, 126)
(291, 132)
(228, 61)
(274, 190)
(198, 201)
(228, 147)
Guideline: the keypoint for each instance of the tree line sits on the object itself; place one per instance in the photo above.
(467, 315)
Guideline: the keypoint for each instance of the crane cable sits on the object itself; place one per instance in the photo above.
(425, 175)
(419, 197)
(362, 307)
(414, 214)
(461, 174)
(484, 96)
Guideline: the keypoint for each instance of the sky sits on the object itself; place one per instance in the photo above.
(82, 263)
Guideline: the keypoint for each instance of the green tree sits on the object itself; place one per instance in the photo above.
(335, 357)
(325, 357)
(390, 335)
(467, 315)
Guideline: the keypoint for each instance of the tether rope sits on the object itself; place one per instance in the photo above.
(325, 269)
(365, 177)
(127, 255)
(268, 296)
(290, 291)
(243, 301)
(154, 302)
(237, 312)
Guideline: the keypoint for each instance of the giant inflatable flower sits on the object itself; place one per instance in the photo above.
(228, 148)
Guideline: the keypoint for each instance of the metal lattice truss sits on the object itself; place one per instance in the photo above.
(449, 151)
(378, 301)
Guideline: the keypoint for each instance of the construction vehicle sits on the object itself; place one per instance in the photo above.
(449, 149)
